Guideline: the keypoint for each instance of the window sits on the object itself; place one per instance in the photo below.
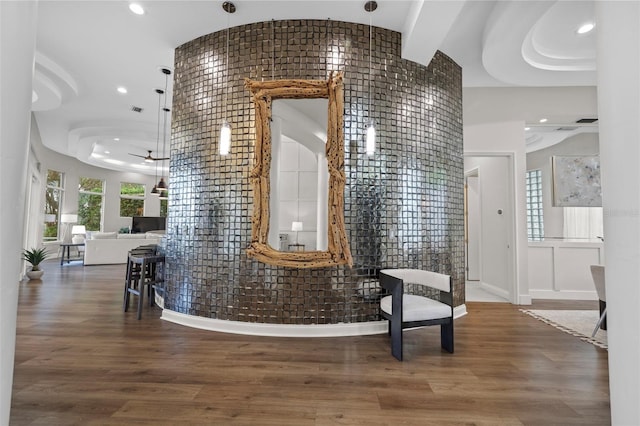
(535, 223)
(52, 203)
(583, 222)
(164, 205)
(131, 199)
(90, 202)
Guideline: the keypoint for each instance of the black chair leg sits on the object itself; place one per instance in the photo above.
(396, 339)
(127, 282)
(446, 336)
(140, 296)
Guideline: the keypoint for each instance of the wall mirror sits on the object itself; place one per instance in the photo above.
(299, 223)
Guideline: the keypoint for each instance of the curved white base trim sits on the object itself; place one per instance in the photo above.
(459, 311)
(286, 330)
(277, 330)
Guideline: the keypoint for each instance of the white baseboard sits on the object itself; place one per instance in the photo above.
(459, 311)
(524, 300)
(277, 330)
(286, 330)
(497, 291)
(564, 294)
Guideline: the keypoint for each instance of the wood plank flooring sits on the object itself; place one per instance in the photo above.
(80, 360)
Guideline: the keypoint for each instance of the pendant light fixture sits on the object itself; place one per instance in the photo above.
(225, 128)
(155, 191)
(162, 185)
(370, 147)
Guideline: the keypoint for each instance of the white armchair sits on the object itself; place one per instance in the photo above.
(409, 311)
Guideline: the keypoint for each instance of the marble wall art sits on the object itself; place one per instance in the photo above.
(576, 181)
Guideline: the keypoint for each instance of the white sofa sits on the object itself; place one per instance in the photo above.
(107, 248)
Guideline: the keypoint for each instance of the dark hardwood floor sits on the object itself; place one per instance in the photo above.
(80, 360)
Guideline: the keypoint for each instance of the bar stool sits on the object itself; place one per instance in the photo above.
(142, 273)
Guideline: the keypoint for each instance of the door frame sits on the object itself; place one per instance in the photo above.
(512, 265)
(471, 173)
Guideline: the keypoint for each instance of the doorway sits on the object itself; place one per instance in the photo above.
(489, 235)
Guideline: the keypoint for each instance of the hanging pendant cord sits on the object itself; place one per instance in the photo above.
(226, 94)
(165, 109)
(158, 132)
(369, 107)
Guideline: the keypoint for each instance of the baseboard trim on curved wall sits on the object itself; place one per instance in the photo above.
(459, 311)
(276, 330)
(285, 330)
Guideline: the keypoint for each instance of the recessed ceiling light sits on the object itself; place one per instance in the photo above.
(585, 28)
(107, 152)
(122, 90)
(527, 128)
(116, 139)
(136, 8)
(543, 120)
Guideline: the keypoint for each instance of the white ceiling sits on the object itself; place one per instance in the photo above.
(86, 49)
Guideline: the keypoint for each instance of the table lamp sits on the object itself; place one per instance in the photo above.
(296, 227)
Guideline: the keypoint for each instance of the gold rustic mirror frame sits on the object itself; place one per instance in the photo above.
(264, 92)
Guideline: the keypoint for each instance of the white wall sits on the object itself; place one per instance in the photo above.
(483, 105)
(507, 139)
(618, 64)
(17, 55)
(73, 170)
(582, 144)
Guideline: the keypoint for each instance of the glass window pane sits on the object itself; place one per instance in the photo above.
(90, 211)
(51, 214)
(54, 178)
(90, 185)
(163, 207)
(132, 189)
(535, 224)
(131, 207)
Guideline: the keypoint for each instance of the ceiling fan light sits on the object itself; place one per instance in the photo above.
(148, 160)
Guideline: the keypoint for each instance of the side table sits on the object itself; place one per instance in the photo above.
(66, 251)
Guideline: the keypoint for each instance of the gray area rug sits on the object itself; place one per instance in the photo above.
(576, 323)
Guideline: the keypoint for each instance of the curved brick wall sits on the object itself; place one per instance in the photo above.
(403, 206)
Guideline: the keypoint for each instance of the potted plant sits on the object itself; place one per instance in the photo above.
(35, 256)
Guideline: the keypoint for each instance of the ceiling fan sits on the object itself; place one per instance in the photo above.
(149, 158)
